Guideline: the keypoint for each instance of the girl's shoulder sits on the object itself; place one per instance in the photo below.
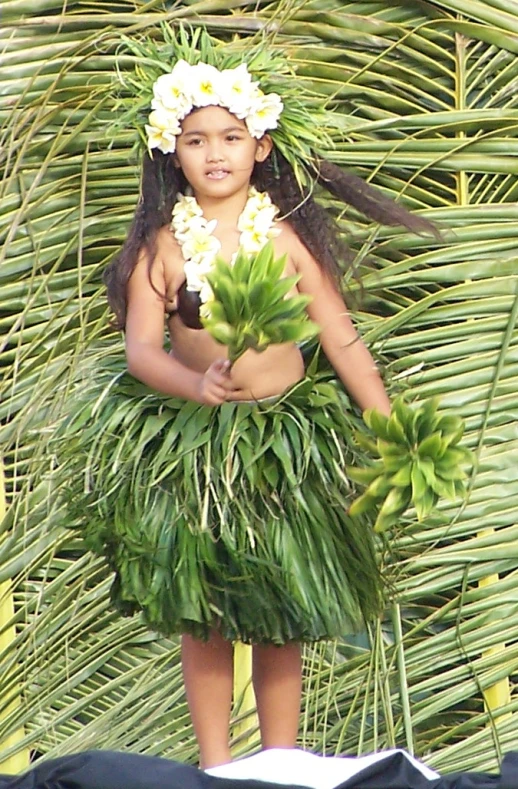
(166, 243)
(289, 243)
(287, 239)
(164, 247)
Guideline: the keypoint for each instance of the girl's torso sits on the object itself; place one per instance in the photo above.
(255, 375)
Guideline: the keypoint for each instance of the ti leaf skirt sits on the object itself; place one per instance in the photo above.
(231, 518)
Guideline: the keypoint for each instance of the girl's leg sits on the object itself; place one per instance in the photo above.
(278, 685)
(208, 676)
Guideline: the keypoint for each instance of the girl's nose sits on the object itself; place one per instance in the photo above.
(214, 153)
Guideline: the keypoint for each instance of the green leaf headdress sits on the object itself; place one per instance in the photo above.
(300, 131)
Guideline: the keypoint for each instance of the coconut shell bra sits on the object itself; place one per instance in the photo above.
(188, 305)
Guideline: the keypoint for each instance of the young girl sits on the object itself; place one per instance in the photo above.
(279, 561)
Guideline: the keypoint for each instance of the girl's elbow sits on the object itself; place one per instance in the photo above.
(141, 357)
(131, 366)
(133, 360)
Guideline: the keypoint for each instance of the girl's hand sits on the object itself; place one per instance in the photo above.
(215, 384)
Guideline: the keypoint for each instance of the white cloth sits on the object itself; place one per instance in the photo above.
(293, 766)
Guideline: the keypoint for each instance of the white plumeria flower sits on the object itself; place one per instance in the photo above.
(198, 225)
(253, 241)
(206, 296)
(201, 242)
(255, 91)
(204, 261)
(169, 93)
(196, 271)
(256, 202)
(203, 88)
(263, 200)
(248, 216)
(236, 90)
(265, 219)
(246, 227)
(264, 114)
(273, 232)
(162, 131)
(184, 211)
(187, 225)
(181, 71)
(192, 276)
(191, 207)
(164, 119)
(262, 218)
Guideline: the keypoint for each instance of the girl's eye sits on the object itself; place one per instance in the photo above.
(194, 141)
(232, 137)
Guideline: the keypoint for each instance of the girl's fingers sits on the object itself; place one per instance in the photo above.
(219, 367)
(218, 373)
(216, 396)
(216, 383)
(217, 389)
(225, 383)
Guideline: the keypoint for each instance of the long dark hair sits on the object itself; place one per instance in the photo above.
(162, 181)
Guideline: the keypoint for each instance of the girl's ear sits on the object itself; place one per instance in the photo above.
(264, 147)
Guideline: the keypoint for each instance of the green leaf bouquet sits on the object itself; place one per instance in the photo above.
(417, 461)
(251, 308)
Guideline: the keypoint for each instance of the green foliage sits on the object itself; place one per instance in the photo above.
(419, 461)
(251, 307)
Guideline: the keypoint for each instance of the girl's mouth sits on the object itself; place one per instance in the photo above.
(217, 175)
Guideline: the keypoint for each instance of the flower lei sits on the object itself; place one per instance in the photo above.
(257, 225)
(175, 94)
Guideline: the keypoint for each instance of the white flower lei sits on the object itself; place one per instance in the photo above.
(257, 225)
(185, 87)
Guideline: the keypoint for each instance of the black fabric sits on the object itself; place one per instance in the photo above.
(398, 772)
(115, 770)
(509, 776)
(108, 770)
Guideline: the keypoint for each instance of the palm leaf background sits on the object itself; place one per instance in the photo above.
(427, 94)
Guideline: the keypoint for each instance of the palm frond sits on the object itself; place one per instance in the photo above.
(429, 113)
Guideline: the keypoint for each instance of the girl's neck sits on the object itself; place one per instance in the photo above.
(226, 210)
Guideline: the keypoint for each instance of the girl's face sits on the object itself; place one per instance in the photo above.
(217, 153)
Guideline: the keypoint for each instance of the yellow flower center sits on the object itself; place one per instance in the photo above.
(203, 244)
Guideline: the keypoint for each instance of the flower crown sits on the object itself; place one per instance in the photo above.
(251, 77)
(185, 87)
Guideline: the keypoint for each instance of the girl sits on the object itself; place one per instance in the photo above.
(279, 562)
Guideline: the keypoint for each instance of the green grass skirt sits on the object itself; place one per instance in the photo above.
(231, 518)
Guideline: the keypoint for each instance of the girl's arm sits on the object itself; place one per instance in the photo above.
(148, 360)
(340, 340)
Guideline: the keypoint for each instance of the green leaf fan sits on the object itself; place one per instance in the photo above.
(251, 308)
(417, 461)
